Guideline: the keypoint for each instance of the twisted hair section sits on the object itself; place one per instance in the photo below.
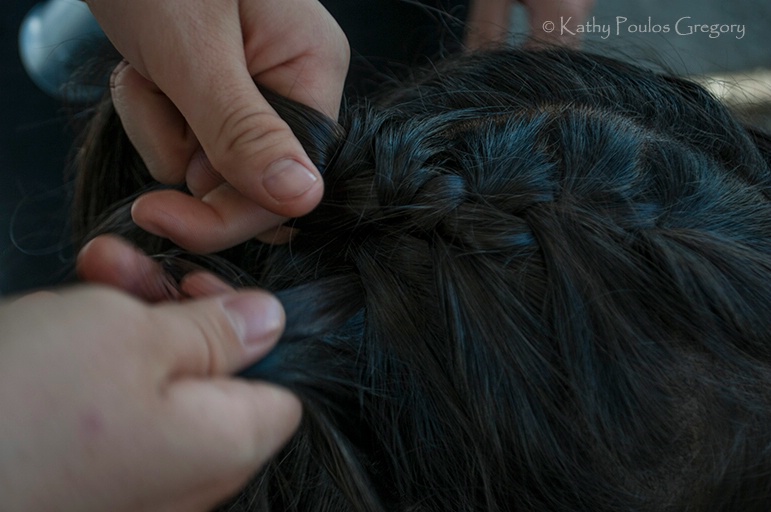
(537, 281)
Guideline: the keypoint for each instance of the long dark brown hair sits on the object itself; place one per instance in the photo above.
(537, 281)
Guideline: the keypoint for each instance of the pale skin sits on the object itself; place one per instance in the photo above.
(187, 99)
(110, 403)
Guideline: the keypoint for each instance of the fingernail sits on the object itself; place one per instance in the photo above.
(258, 318)
(288, 178)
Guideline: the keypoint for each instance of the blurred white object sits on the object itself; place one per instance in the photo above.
(749, 88)
(54, 39)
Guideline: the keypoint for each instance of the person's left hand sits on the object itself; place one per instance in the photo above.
(187, 98)
(111, 404)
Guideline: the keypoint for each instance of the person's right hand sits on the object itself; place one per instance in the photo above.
(187, 99)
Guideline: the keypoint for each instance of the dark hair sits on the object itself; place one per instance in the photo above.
(537, 281)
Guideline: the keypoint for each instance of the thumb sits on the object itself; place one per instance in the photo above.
(247, 143)
(223, 428)
(218, 335)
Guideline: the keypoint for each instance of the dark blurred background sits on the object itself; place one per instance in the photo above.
(34, 143)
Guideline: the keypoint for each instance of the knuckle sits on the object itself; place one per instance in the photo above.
(216, 334)
(118, 77)
(126, 79)
(252, 132)
(203, 240)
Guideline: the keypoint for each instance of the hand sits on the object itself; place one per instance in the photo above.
(111, 404)
(188, 102)
(489, 21)
(113, 261)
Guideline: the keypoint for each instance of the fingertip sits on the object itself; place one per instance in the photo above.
(279, 235)
(106, 259)
(277, 412)
(148, 211)
(111, 260)
(281, 399)
(219, 220)
(183, 219)
(261, 418)
(289, 409)
(203, 284)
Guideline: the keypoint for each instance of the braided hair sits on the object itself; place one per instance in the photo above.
(538, 280)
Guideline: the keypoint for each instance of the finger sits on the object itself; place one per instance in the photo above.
(218, 335)
(201, 284)
(221, 219)
(277, 236)
(153, 124)
(35, 298)
(113, 261)
(315, 75)
(260, 419)
(201, 177)
(243, 137)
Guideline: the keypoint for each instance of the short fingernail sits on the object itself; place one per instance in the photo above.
(258, 318)
(288, 178)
